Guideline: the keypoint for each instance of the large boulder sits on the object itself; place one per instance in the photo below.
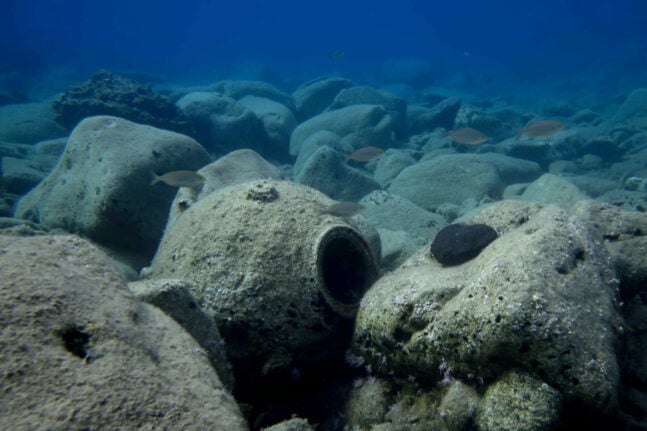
(101, 188)
(326, 171)
(358, 125)
(237, 89)
(278, 121)
(28, 123)
(314, 97)
(105, 93)
(365, 95)
(222, 124)
(541, 299)
(80, 352)
(455, 178)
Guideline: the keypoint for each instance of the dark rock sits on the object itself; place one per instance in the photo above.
(458, 243)
(108, 94)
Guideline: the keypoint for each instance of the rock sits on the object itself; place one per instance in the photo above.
(237, 89)
(550, 188)
(625, 235)
(388, 211)
(458, 406)
(519, 402)
(358, 125)
(28, 123)
(312, 144)
(327, 172)
(390, 164)
(484, 122)
(458, 243)
(396, 247)
(9, 149)
(20, 175)
(541, 298)
(79, 352)
(222, 124)
(278, 121)
(454, 178)
(101, 184)
(109, 94)
(633, 109)
(365, 95)
(281, 280)
(174, 298)
(234, 168)
(313, 97)
(442, 114)
(293, 424)
(367, 404)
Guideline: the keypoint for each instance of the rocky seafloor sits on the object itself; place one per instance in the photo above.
(248, 303)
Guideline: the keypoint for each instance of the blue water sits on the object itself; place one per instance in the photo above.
(500, 47)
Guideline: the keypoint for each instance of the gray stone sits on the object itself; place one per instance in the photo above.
(101, 184)
(542, 298)
(80, 352)
(237, 89)
(390, 164)
(293, 424)
(234, 168)
(484, 122)
(365, 95)
(367, 404)
(222, 124)
(28, 123)
(312, 144)
(359, 125)
(20, 175)
(442, 114)
(550, 188)
(327, 172)
(174, 298)
(451, 178)
(313, 97)
(388, 211)
(518, 402)
(278, 121)
(633, 109)
(281, 279)
(458, 406)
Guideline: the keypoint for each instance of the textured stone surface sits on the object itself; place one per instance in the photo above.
(541, 298)
(105, 93)
(80, 352)
(101, 188)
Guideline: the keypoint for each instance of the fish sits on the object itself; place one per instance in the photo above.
(342, 209)
(541, 129)
(467, 136)
(338, 53)
(365, 154)
(179, 179)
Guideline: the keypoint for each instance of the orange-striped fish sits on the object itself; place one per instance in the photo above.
(365, 154)
(467, 136)
(541, 129)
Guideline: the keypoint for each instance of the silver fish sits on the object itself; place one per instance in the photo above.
(179, 179)
(342, 209)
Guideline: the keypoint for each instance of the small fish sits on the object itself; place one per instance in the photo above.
(336, 54)
(467, 136)
(541, 129)
(179, 179)
(342, 209)
(365, 154)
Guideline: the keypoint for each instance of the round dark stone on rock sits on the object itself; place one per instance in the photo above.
(458, 243)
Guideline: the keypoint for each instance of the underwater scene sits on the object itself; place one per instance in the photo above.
(306, 216)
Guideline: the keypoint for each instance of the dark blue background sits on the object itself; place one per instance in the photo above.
(528, 42)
